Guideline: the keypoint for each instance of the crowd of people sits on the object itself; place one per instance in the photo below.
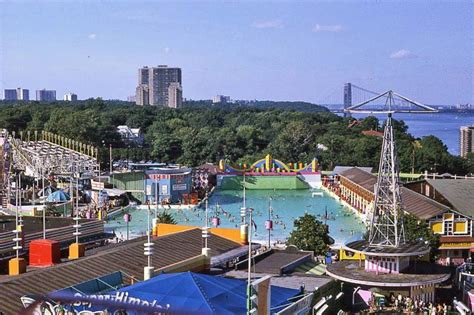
(405, 304)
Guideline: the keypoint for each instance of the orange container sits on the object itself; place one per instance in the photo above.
(44, 253)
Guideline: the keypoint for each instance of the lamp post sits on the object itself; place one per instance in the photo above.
(249, 271)
(206, 251)
(16, 231)
(44, 203)
(269, 222)
(77, 233)
(127, 218)
(111, 165)
(148, 250)
(20, 216)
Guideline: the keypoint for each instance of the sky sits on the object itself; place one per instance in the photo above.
(265, 50)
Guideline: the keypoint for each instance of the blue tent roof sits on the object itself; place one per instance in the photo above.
(58, 196)
(199, 293)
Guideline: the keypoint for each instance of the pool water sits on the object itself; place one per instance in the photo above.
(287, 205)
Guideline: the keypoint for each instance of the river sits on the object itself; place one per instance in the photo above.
(443, 125)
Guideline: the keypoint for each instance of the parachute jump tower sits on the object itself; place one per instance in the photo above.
(387, 260)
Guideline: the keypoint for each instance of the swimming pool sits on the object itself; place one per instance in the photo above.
(287, 205)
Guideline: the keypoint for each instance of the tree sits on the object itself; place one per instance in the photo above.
(416, 229)
(165, 217)
(310, 234)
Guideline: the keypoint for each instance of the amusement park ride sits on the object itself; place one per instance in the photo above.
(391, 261)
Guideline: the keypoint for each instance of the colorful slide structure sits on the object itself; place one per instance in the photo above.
(269, 173)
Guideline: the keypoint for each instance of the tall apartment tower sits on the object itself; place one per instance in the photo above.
(142, 95)
(18, 94)
(143, 74)
(10, 95)
(23, 94)
(70, 97)
(466, 144)
(153, 85)
(45, 95)
(175, 95)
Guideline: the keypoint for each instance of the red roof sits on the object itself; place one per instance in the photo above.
(372, 133)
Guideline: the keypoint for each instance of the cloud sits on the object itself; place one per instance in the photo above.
(327, 28)
(268, 24)
(402, 54)
(92, 36)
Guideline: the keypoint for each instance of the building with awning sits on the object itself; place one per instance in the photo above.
(454, 225)
(446, 204)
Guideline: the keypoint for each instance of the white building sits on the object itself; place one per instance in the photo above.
(130, 135)
(221, 99)
(70, 97)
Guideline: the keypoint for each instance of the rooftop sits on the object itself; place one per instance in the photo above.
(414, 248)
(421, 273)
(278, 261)
(458, 192)
(35, 224)
(126, 257)
(340, 168)
(413, 202)
(291, 281)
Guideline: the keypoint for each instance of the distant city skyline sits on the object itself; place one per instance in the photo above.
(274, 50)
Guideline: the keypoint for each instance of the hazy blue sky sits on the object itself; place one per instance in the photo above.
(278, 50)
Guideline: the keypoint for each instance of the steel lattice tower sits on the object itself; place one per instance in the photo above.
(387, 219)
(386, 227)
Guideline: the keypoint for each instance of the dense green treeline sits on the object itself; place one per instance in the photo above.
(198, 134)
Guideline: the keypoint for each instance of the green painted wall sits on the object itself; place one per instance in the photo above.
(132, 182)
(262, 182)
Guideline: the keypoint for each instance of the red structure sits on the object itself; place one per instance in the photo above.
(44, 253)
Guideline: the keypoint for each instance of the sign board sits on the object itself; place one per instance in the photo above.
(164, 190)
(178, 187)
(97, 185)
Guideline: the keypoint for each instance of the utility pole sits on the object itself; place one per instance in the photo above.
(249, 271)
(44, 203)
(111, 165)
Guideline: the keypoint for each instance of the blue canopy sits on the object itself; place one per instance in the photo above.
(180, 293)
(202, 294)
(58, 196)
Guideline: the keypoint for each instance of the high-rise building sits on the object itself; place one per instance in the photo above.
(143, 74)
(175, 95)
(70, 97)
(23, 94)
(221, 99)
(45, 95)
(142, 96)
(10, 95)
(466, 145)
(154, 82)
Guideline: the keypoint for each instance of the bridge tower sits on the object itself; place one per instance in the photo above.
(347, 98)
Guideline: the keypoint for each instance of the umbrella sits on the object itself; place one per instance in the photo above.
(58, 196)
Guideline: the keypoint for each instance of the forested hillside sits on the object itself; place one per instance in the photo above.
(198, 134)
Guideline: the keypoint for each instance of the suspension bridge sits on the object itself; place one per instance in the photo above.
(355, 96)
